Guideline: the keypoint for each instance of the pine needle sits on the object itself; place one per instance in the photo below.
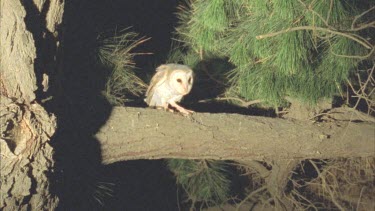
(115, 53)
(203, 180)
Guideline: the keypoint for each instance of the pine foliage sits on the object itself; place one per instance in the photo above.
(115, 53)
(308, 51)
(203, 180)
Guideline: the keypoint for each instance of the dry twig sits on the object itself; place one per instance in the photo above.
(363, 93)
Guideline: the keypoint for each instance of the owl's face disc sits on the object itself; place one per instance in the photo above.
(182, 81)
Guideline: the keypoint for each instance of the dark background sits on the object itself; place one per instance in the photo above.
(80, 180)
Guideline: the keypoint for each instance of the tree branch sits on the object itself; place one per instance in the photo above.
(356, 18)
(297, 28)
(138, 133)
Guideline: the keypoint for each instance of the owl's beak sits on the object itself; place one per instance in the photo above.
(186, 88)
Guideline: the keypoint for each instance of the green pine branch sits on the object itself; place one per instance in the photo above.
(302, 49)
(116, 54)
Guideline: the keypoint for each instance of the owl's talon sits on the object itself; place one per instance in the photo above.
(185, 111)
(170, 110)
(190, 111)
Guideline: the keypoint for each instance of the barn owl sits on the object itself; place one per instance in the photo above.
(169, 84)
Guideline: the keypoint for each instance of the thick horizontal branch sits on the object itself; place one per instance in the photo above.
(138, 133)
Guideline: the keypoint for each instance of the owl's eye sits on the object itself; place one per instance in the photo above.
(179, 80)
(189, 81)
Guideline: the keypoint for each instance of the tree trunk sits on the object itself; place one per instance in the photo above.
(137, 133)
(29, 49)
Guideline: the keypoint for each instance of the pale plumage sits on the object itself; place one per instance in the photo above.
(169, 84)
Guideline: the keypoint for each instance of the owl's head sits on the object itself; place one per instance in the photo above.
(181, 79)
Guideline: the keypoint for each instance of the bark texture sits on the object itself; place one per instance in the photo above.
(29, 39)
(137, 133)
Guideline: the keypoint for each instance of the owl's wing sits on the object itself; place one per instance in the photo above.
(159, 78)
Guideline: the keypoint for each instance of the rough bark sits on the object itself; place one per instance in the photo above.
(29, 39)
(137, 133)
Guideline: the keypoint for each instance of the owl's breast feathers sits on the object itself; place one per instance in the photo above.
(161, 94)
